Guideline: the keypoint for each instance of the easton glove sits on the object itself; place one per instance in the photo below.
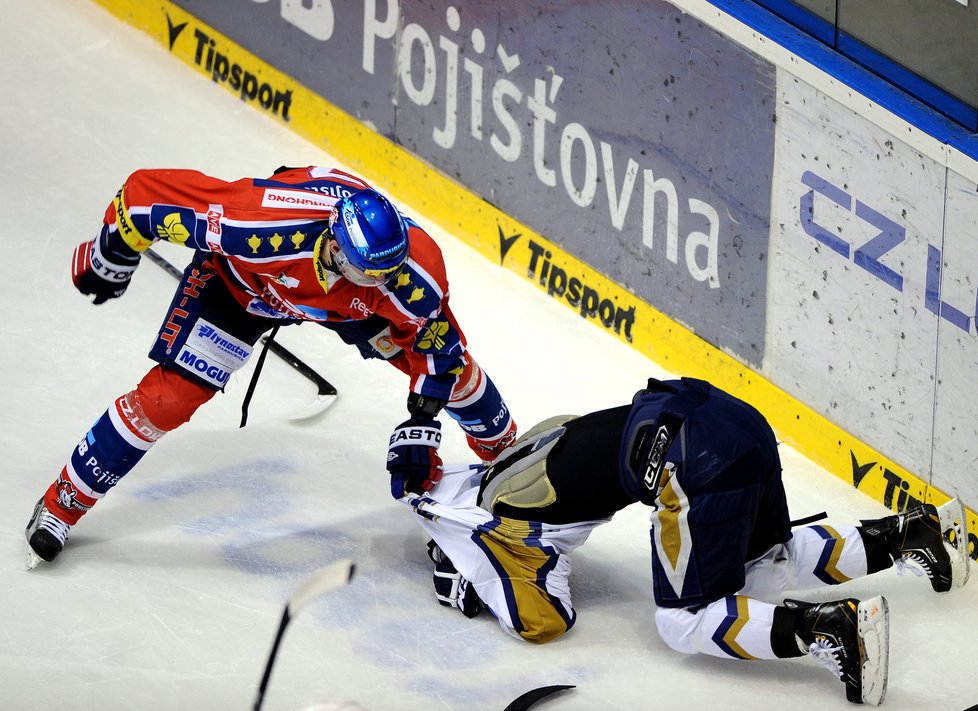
(100, 270)
(412, 458)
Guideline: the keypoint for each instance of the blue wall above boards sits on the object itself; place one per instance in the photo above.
(886, 52)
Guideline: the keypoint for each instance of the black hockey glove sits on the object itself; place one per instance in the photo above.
(423, 406)
(451, 589)
(412, 458)
(102, 271)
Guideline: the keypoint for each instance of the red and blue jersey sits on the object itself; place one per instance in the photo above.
(265, 236)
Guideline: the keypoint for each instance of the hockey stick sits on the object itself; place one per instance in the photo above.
(525, 701)
(329, 578)
(326, 394)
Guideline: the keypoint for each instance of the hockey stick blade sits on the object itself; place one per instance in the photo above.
(525, 701)
(326, 393)
(329, 578)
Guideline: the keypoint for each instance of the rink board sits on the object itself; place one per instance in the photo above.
(567, 278)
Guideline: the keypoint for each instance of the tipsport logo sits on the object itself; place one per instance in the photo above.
(896, 494)
(586, 298)
(225, 71)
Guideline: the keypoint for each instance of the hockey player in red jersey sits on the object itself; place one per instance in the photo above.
(307, 244)
(723, 547)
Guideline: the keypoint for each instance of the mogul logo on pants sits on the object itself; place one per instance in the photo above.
(200, 366)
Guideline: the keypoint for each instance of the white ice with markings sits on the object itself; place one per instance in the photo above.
(169, 593)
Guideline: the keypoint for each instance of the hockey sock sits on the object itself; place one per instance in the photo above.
(480, 411)
(110, 449)
(161, 402)
(65, 500)
(878, 549)
(107, 452)
(734, 627)
(826, 555)
(784, 643)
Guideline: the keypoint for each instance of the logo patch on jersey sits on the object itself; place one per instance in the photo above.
(434, 336)
(297, 239)
(260, 308)
(416, 295)
(173, 223)
(214, 215)
(384, 344)
(357, 305)
(403, 279)
(311, 313)
(277, 197)
(129, 233)
(68, 495)
(285, 280)
(172, 229)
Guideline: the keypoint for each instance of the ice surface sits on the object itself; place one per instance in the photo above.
(170, 591)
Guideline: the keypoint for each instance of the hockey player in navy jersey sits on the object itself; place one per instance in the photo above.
(306, 244)
(723, 547)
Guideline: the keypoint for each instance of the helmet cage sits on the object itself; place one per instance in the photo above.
(361, 277)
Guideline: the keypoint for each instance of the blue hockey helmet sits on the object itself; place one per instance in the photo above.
(371, 236)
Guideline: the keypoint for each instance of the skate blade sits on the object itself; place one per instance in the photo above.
(873, 617)
(954, 529)
(33, 559)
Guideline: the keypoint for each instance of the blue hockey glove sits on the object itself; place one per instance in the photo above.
(412, 458)
(97, 269)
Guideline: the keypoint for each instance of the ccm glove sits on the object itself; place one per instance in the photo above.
(103, 271)
(412, 458)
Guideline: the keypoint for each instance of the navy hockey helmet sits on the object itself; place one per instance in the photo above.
(372, 238)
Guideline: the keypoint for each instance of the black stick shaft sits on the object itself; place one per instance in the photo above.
(271, 659)
(254, 378)
(324, 386)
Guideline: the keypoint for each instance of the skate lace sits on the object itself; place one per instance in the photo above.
(824, 652)
(910, 562)
(54, 525)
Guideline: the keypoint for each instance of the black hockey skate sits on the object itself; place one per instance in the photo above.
(927, 538)
(851, 639)
(46, 534)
